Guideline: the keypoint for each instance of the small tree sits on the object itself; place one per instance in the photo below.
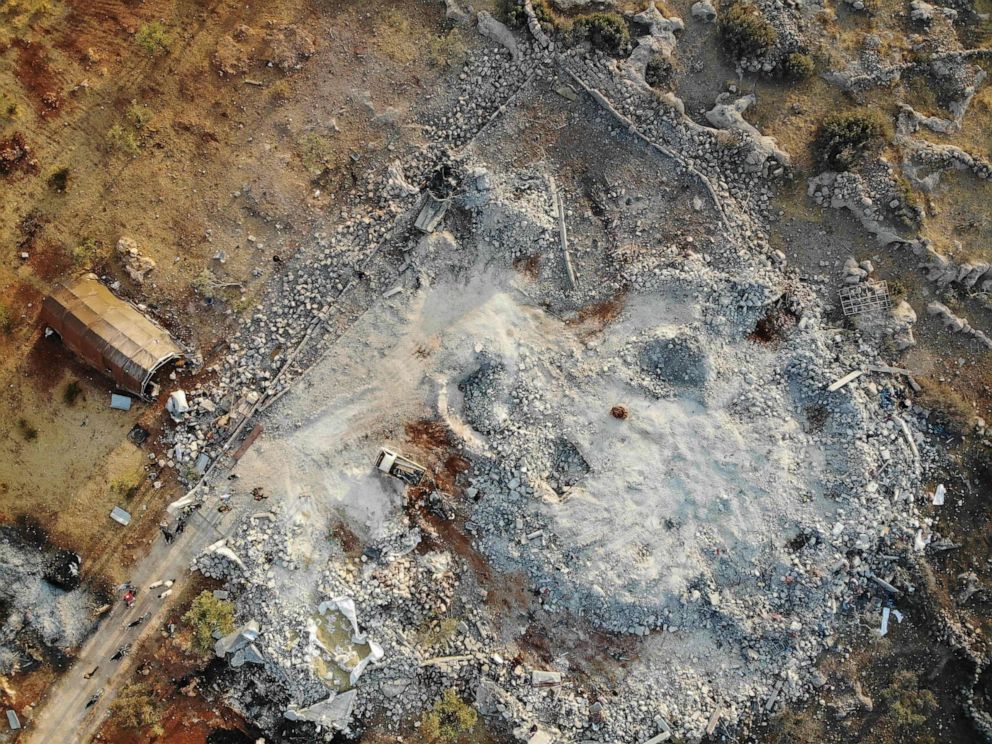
(134, 706)
(153, 38)
(659, 71)
(745, 33)
(798, 66)
(608, 32)
(450, 718)
(205, 615)
(846, 136)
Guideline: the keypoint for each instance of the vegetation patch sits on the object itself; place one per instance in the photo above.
(153, 38)
(449, 720)
(126, 486)
(20, 13)
(8, 108)
(437, 632)
(607, 32)
(797, 66)
(317, 152)
(134, 707)
(515, 15)
(448, 50)
(6, 320)
(745, 33)
(87, 253)
(847, 136)
(949, 408)
(138, 116)
(908, 708)
(59, 180)
(123, 140)
(205, 615)
(659, 71)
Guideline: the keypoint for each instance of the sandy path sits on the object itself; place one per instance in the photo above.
(63, 716)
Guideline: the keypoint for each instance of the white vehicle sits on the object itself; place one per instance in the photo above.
(400, 467)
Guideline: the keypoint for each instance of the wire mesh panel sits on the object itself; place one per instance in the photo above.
(867, 297)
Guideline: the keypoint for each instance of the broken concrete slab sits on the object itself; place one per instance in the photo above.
(334, 712)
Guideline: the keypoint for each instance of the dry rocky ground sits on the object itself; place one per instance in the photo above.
(713, 559)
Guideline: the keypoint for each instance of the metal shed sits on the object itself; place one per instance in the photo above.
(110, 334)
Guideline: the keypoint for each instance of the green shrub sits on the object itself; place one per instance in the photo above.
(317, 152)
(123, 140)
(138, 115)
(608, 32)
(450, 718)
(205, 615)
(87, 253)
(134, 707)
(6, 320)
(659, 71)
(845, 137)
(127, 485)
(908, 708)
(153, 38)
(515, 15)
(798, 66)
(745, 33)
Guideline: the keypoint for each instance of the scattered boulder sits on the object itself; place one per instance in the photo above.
(704, 11)
(498, 32)
(230, 58)
(287, 47)
(731, 116)
(136, 265)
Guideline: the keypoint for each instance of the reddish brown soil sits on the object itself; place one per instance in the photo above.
(600, 313)
(36, 76)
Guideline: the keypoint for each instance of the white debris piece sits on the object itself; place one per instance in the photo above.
(884, 629)
(541, 678)
(939, 494)
(334, 712)
(177, 405)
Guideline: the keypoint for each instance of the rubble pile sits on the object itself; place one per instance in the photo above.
(43, 609)
(718, 527)
(652, 525)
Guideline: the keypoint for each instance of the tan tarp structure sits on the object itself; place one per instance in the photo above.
(108, 333)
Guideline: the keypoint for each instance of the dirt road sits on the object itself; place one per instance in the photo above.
(63, 715)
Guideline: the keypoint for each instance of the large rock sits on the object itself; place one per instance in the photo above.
(236, 641)
(704, 11)
(136, 265)
(498, 32)
(731, 116)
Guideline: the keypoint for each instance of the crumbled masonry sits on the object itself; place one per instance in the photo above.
(710, 537)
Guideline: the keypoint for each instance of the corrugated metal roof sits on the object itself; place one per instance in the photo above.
(110, 334)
